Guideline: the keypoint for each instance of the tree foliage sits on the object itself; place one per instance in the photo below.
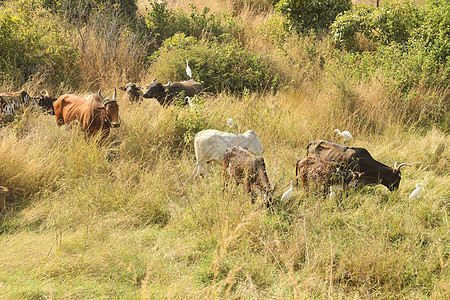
(28, 46)
(317, 15)
(220, 65)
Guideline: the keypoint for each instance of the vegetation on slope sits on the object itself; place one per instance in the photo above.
(127, 221)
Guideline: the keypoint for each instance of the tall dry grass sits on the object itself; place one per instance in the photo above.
(126, 220)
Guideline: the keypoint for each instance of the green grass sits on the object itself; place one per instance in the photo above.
(126, 220)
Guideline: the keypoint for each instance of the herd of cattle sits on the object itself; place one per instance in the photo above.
(326, 163)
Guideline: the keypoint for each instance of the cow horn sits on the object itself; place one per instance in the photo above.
(115, 94)
(100, 94)
(154, 79)
(402, 165)
(168, 81)
(46, 93)
(40, 94)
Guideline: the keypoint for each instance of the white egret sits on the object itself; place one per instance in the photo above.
(345, 134)
(416, 192)
(332, 193)
(189, 101)
(288, 193)
(230, 122)
(188, 70)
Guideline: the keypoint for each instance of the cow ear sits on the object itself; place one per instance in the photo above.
(122, 88)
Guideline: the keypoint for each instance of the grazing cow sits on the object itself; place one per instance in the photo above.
(165, 94)
(244, 166)
(3, 192)
(133, 92)
(94, 113)
(324, 174)
(210, 145)
(45, 101)
(11, 103)
(358, 159)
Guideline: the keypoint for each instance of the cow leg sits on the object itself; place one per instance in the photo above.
(196, 172)
(251, 192)
(2, 204)
(305, 185)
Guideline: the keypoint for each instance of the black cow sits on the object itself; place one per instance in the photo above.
(165, 94)
(360, 160)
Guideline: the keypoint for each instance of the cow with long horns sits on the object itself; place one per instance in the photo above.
(95, 114)
(360, 160)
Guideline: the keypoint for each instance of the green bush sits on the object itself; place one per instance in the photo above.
(392, 22)
(221, 65)
(317, 15)
(31, 43)
(163, 22)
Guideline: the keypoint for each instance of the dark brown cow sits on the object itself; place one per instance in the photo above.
(11, 103)
(45, 101)
(94, 113)
(358, 159)
(3, 192)
(133, 92)
(245, 167)
(324, 174)
(165, 94)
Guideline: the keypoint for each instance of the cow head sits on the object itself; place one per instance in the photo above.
(131, 89)
(110, 109)
(392, 178)
(46, 102)
(156, 90)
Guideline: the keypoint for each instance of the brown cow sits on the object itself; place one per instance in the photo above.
(3, 192)
(324, 174)
(358, 159)
(11, 103)
(94, 113)
(243, 166)
(165, 94)
(133, 92)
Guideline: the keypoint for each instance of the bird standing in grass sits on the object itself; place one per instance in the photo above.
(188, 70)
(345, 134)
(416, 192)
(288, 193)
(332, 193)
(230, 122)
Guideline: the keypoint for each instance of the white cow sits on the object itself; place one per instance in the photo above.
(211, 145)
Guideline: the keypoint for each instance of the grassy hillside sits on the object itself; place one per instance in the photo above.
(126, 220)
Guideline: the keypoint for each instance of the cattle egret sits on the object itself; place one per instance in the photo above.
(332, 193)
(230, 122)
(288, 193)
(188, 70)
(345, 134)
(416, 192)
(189, 101)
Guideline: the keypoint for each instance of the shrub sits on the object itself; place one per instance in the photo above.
(31, 43)
(392, 22)
(306, 15)
(163, 22)
(221, 65)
